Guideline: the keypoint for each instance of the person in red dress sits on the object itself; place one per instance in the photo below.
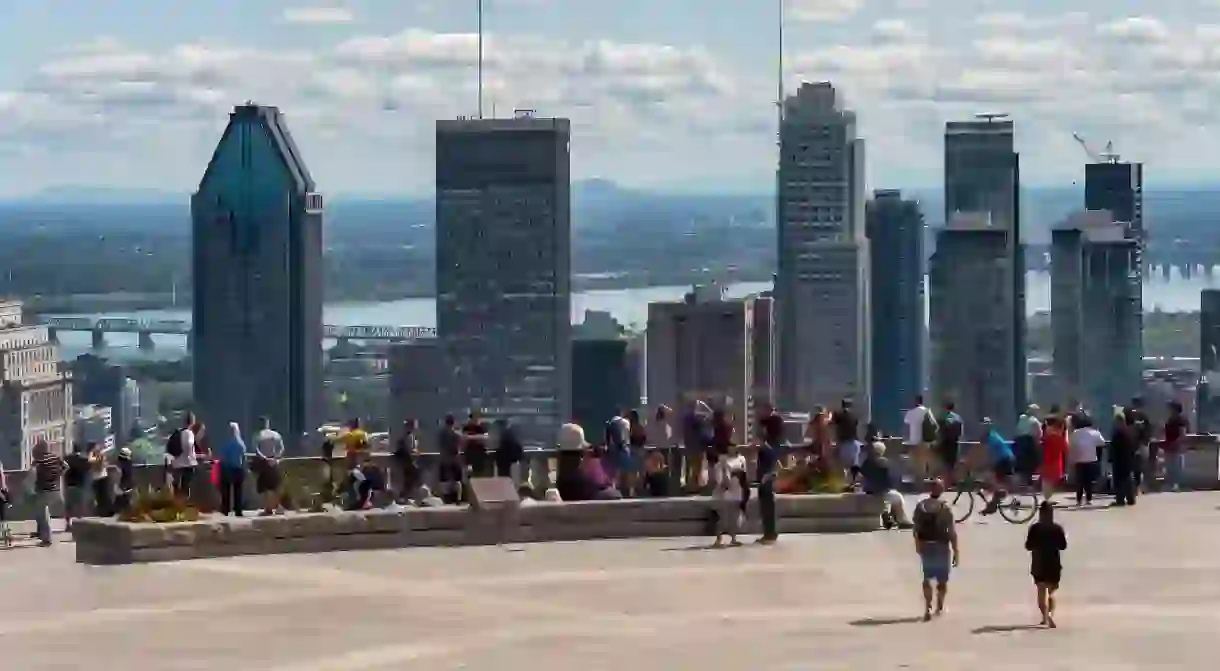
(1054, 451)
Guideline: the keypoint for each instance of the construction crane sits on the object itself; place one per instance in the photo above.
(1106, 156)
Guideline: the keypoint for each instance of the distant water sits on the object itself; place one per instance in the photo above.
(629, 306)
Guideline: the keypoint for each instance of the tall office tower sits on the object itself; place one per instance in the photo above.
(895, 229)
(503, 267)
(605, 380)
(983, 176)
(257, 264)
(1119, 188)
(821, 289)
(1095, 306)
(763, 335)
(702, 349)
(35, 395)
(417, 374)
(1208, 402)
(970, 323)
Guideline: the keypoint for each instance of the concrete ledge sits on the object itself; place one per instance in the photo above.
(109, 541)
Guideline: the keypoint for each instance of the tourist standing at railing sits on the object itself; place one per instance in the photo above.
(406, 455)
(696, 437)
(661, 438)
(1124, 455)
(1142, 431)
(617, 457)
(1054, 451)
(127, 480)
(510, 453)
(474, 446)
(637, 441)
(919, 437)
(76, 483)
(268, 451)
(203, 450)
(722, 437)
(48, 475)
(449, 475)
(847, 431)
(948, 441)
(817, 435)
(180, 450)
(1027, 443)
(1084, 449)
(771, 428)
(572, 445)
(232, 457)
(99, 479)
(1176, 429)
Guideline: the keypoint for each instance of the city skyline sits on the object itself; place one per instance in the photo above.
(96, 92)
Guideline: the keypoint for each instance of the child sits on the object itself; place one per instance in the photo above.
(1045, 541)
(731, 495)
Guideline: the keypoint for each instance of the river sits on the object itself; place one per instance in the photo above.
(629, 306)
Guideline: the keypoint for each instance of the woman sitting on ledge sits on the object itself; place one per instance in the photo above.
(597, 483)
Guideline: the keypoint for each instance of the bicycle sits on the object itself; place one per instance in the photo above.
(1018, 506)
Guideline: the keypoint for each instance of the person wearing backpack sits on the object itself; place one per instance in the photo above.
(920, 436)
(180, 455)
(936, 543)
(948, 440)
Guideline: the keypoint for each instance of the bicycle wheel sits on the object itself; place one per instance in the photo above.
(962, 504)
(1019, 508)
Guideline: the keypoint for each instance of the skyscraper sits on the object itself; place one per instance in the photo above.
(1119, 188)
(503, 267)
(1208, 402)
(257, 264)
(983, 182)
(895, 229)
(970, 321)
(821, 288)
(1095, 316)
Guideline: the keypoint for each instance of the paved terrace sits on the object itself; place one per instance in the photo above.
(1141, 591)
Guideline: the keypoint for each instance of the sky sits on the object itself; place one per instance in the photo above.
(662, 94)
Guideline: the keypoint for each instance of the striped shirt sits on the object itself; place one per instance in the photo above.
(48, 471)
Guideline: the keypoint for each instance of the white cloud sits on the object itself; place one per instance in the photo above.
(823, 11)
(319, 15)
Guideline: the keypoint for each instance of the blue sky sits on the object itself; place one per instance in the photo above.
(662, 93)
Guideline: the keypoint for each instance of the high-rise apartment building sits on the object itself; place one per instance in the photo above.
(35, 395)
(257, 273)
(503, 267)
(1119, 188)
(821, 288)
(983, 179)
(970, 325)
(1095, 310)
(702, 349)
(896, 231)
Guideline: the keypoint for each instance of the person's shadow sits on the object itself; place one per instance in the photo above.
(1006, 628)
(885, 621)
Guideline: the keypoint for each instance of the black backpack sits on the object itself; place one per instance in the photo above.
(951, 430)
(928, 427)
(933, 522)
(173, 446)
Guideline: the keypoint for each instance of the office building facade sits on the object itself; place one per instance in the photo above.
(970, 325)
(1119, 188)
(418, 374)
(896, 230)
(503, 268)
(257, 272)
(1207, 403)
(1095, 311)
(821, 287)
(983, 183)
(605, 381)
(702, 349)
(35, 394)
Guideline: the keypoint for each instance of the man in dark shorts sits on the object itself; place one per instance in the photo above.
(1045, 542)
(948, 440)
(935, 534)
(449, 445)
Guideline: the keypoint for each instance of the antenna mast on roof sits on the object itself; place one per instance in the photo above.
(779, 76)
(480, 59)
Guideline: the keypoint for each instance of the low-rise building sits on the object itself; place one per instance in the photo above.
(35, 393)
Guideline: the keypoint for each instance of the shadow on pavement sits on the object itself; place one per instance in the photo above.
(1005, 628)
(885, 621)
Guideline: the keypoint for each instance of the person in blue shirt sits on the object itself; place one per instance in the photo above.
(232, 467)
(1003, 464)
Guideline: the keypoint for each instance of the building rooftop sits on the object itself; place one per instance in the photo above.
(272, 121)
(522, 120)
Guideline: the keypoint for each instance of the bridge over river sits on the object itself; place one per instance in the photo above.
(147, 328)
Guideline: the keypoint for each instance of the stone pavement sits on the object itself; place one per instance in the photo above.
(1142, 590)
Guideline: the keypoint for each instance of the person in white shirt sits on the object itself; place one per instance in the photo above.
(180, 452)
(269, 449)
(730, 495)
(920, 435)
(1083, 447)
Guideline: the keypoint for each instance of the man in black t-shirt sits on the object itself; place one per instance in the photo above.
(771, 426)
(76, 483)
(474, 445)
(847, 428)
(449, 444)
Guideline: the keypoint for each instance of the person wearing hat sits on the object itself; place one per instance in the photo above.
(1027, 443)
(572, 445)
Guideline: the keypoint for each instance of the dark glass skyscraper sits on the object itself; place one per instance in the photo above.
(503, 268)
(257, 274)
(896, 237)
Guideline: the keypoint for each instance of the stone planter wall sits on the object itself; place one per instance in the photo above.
(108, 541)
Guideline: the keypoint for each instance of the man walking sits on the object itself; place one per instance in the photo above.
(920, 435)
(935, 535)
